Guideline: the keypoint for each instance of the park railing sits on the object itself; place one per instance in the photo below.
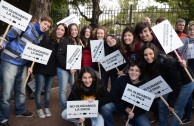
(116, 19)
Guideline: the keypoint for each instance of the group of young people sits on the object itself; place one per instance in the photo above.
(145, 60)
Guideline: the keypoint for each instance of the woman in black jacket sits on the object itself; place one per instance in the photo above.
(168, 68)
(44, 74)
(88, 87)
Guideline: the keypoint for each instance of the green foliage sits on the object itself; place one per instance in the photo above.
(185, 10)
(59, 10)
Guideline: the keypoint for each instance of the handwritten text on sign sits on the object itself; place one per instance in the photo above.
(36, 53)
(167, 36)
(138, 97)
(112, 60)
(97, 50)
(157, 86)
(82, 108)
(14, 16)
(74, 54)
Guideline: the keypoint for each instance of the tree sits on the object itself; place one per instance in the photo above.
(40, 7)
(59, 10)
(185, 8)
(96, 12)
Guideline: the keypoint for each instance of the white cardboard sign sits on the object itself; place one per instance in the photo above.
(82, 108)
(32, 85)
(74, 55)
(14, 16)
(167, 36)
(112, 60)
(138, 97)
(97, 50)
(157, 86)
(69, 20)
(36, 53)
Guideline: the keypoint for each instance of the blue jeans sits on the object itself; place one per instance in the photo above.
(96, 121)
(185, 93)
(106, 75)
(40, 80)
(141, 120)
(179, 106)
(188, 108)
(63, 77)
(107, 113)
(13, 78)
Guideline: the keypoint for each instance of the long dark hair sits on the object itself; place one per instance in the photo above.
(53, 33)
(152, 68)
(71, 39)
(81, 89)
(124, 46)
(85, 41)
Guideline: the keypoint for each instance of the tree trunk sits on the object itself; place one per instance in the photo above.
(96, 12)
(39, 8)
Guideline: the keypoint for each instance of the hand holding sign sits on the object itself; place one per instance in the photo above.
(138, 97)
(157, 86)
(168, 39)
(14, 16)
(112, 60)
(82, 108)
(74, 54)
(97, 50)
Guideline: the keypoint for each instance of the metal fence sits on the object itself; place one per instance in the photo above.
(116, 19)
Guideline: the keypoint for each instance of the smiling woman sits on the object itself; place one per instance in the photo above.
(88, 87)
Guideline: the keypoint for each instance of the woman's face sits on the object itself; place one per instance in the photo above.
(134, 73)
(87, 79)
(74, 31)
(60, 31)
(100, 34)
(146, 35)
(87, 33)
(149, 55)
(44, 26)
(191, 32)
(111, 41)
(128, 38)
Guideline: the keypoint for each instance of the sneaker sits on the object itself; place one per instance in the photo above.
(4, 123)
(47, 112)
(41, 113)
(185, 121)
(152, 120)
(26, 114)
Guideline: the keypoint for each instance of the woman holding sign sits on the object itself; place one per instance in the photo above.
(88, 87)
(63, 74)
(137, 117)
(101, 34)
(113, 44)
(44, 74)
(169, 69)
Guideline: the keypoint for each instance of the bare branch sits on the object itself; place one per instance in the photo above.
(81, 13)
